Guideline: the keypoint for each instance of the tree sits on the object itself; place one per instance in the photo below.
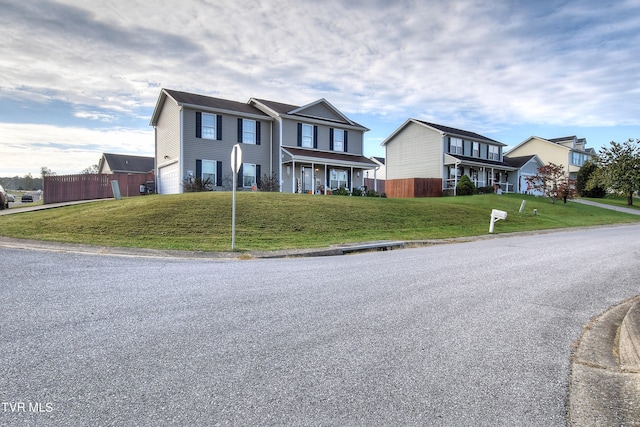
(465, 187)
(552, 182)
(90, 169)
(620, 167)
(588, 182)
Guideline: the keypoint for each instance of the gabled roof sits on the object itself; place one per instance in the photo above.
(122, 163)
(445, 131)
(289, 110)
(520, 161)
(206, 103)
(557, 142)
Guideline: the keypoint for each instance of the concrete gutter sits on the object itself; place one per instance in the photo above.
(604, 384)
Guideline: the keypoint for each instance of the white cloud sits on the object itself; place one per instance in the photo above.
(28, 147)
(466, 63)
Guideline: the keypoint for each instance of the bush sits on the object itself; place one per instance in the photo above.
(197, 184)
(372, 193)
(341, 192)
(465, 187)
(485, 190)
(269, 183)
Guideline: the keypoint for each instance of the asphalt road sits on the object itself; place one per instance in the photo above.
(476, 333)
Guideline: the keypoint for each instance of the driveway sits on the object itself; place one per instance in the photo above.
(476, 333)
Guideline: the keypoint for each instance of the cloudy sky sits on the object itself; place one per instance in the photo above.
(81, 78)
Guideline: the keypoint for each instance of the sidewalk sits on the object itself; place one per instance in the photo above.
(27, 207)
(606, 206)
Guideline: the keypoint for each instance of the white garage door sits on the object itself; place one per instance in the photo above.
(169, 179)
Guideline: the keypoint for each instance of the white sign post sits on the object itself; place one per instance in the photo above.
(236, 161)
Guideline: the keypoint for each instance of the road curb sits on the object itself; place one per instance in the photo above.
(602, 391)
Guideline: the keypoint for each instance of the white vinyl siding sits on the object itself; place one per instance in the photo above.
(415, 152)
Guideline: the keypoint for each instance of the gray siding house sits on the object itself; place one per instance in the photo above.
(309, 149)
(418, 149)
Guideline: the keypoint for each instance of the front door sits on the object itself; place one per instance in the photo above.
(307, 180)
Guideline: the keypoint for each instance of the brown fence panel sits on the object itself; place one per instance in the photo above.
(413, 187)
(67, 188)
(371, 184)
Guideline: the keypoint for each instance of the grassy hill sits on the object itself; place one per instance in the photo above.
(270, 221)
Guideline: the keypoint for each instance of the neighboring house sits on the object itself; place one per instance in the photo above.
(422, 150)
(374, 178)
(527, 166)
(308, 149)
(570, 152)
(121, 163)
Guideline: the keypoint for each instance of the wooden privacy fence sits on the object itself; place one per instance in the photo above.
(371, 183)
(414, 187)
(67, 188)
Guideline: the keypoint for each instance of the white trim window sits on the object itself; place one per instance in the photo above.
(249, 176)
(493, 153)
(455, 146)
(475, 149)
(307, 135)
(338, 178)
(209, 169)
(209, 126)
(338, 140)
(248, 131)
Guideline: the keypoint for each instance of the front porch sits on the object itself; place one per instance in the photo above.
(482, 173)
(315, 172)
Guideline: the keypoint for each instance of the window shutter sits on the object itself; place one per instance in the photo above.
(315, 137)
(331, 139)
(345, 141)
(219, 174)
(198, 168)
(463, 147)
(487, 152)
(299, 134)
(240, 177)
(219, 127)
(349, 179)
(448, 144)
(239, 130)
(257, 132)
(198, 124)
(258, 172)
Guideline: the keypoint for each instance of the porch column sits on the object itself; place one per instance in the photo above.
(313, 179)
(351, 189)
(326, 186)
(293, 176)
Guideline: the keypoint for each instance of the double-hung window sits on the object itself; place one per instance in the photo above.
(209, 168)
(455, 146)
(338, 140)
(307, 135)
(249, 175)
(248, 131)
(493, 152)
(338, 178)
(475, 149)
(208, 126)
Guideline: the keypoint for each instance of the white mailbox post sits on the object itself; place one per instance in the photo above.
(496, 215)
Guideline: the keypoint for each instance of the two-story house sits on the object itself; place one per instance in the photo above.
(429, 151)
(309, 149)
(570, 152)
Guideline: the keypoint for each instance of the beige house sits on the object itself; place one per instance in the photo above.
(422, 150)
(570, 152)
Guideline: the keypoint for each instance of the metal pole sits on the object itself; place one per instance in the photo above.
(233, 213)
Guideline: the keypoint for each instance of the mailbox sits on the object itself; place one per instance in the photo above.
(495, 213)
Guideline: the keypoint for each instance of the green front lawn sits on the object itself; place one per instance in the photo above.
(272, 221)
